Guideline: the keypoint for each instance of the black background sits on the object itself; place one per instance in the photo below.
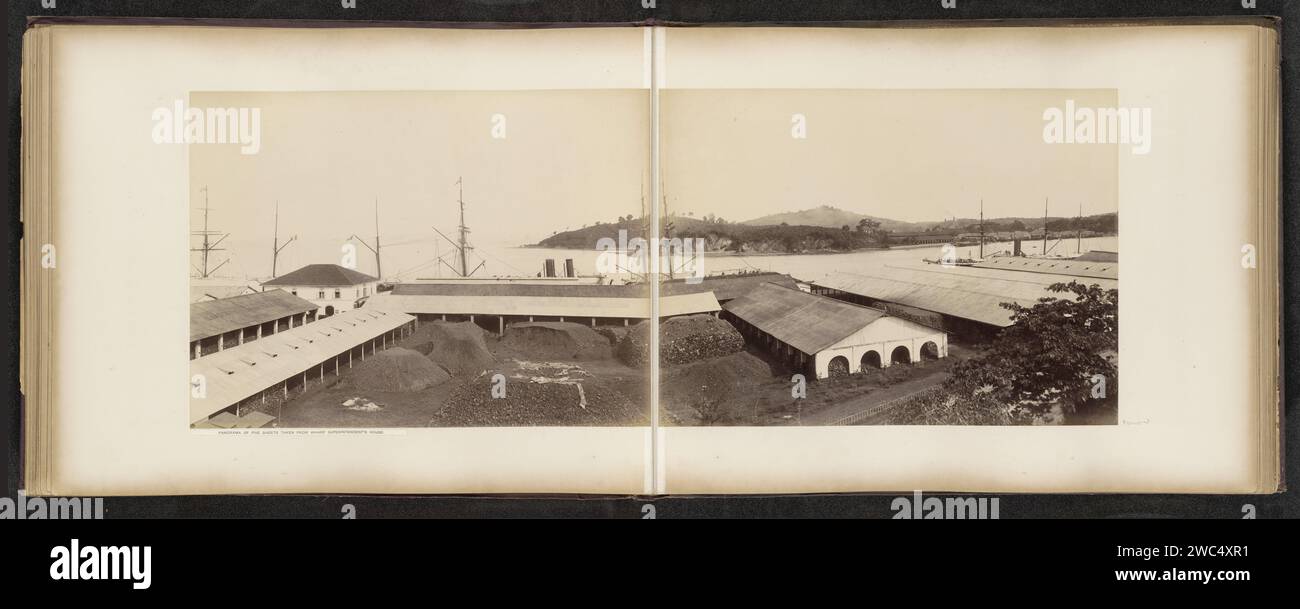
(985, 562)
(520, 13)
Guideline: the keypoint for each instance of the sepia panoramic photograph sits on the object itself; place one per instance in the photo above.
(893, 258)
(828, 257)
(385, 260)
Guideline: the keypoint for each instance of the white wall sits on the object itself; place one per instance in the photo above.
(348, 295)
(882, 336)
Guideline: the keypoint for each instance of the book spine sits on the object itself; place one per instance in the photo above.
(37, 263)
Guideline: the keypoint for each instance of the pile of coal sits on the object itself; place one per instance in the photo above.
(396, 369)
(556, 340)
(459, 347)
(682, 340)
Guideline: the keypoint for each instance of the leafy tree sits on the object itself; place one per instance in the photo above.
(942, 406)
(1050, 354)
(867, 225)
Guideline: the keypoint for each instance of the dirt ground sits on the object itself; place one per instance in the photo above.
(692, 398)
(745, 388)
(538, 391)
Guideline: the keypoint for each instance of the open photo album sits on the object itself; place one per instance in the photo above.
(650, 260)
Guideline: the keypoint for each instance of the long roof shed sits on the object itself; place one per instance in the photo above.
(725, 287)
(216, 317)
(522, 302)
(974, 294)
(247, 370)
(1090, 269)
(818, 332)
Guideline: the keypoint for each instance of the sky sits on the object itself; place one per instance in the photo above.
(917, 155)
(568, 158)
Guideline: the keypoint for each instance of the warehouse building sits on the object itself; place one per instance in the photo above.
(225, 384)
(332, 287)
(493, 306)
(827, 337)
(963, 301)
(216, 325)
(725, 287)
(1075, 267)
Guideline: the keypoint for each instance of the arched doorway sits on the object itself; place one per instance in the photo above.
(871, 361)
(329, 310)
(839, 366)
(929, 351)
(900, 356)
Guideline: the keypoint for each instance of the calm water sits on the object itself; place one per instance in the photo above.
(810, 267)
(805, 267)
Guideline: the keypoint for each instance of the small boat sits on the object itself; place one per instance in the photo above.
(954, 262)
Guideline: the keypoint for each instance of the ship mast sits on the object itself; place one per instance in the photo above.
(1045, 201)
(462, 245)
(275, 241)
(464, 230)
(208, 245)
(1078, 232)
(379, 269)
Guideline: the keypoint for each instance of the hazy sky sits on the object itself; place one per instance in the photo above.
(569, 158)
(905, 155)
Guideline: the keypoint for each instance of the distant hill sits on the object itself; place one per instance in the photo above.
(829, 217)
(719, 235)
(587, 236)
(813, 230)
(1101, 223)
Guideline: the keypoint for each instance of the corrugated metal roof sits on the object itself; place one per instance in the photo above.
(726, 287)
(246, 370)
(1098, 256)
(515, 290)
(967, 292)
(556, 306)
(1064, 266)
(687, 304)
(214, 317)
(323, 276)
(807, 322)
